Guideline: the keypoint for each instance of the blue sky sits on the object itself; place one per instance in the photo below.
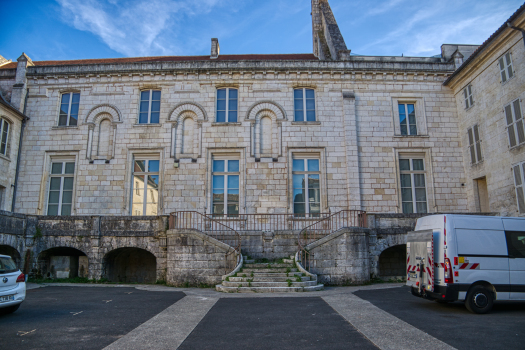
(79, 29)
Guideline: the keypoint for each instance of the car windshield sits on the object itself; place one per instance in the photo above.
(7, 265)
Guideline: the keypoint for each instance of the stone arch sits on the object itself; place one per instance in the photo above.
(194, 107)
(6, 249)
(392, 262)
(270, 130)
(178, 116)
(62, 262)
(130, 264)
(102, 126)
(275, 108)
(105, 108)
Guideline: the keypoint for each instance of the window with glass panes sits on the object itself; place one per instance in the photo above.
(519, 182)
(69, 109)
(4, 134)
(515, 126)
(227, 105)
(407, 119)
(467, 93)
(306, 189)
(505, 67)
(474, 144)
(145, 187)
(304, 105)
(413, 187)
(61, 180)
(149, 107)
(225, 183)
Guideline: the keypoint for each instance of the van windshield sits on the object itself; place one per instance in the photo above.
(7, 265)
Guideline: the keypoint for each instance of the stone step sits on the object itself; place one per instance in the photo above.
(265, 265)
(271, 274)
(269, 284)
(221, 288)
(268, 279)
(281, 269)
(288, 261)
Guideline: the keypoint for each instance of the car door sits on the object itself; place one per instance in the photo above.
(516, 247)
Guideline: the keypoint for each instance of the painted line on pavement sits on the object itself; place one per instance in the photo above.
(168, 329)
(383, 329)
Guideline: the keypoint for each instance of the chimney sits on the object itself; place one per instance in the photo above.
(19, 88)
(215, 48)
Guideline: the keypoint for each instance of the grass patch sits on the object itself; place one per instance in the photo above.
(289, 282)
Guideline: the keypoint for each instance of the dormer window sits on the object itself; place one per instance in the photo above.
(69, 109)
(149, 107)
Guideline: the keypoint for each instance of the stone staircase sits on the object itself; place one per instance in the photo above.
(269, 277)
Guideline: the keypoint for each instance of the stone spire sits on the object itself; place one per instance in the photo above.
(328, 43)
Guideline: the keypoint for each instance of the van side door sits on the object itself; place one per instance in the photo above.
(516, 248)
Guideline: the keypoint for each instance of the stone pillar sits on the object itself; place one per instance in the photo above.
(20, 87)
(352, 152)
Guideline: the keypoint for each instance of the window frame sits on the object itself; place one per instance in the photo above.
(405, 104)
(504, 71)
(514, 123)
(304, 110)
(226, 174)
(3, 122)
(150, 103)
(227, 110)
(413, 172)
(474, 142)
(305, 174)
(70, 103)
(468, 96)
(521, 168)
(63, 175)
(146, 174)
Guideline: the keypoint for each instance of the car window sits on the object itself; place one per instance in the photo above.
(7, 265)
(516, 243)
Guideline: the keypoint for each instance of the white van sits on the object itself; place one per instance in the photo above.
(477, 259)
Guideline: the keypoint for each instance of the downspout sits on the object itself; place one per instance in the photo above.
(516, 28)
(19, 155)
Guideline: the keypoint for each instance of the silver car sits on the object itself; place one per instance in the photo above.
(12, 285)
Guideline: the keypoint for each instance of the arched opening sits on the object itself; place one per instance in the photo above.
(187, 136)
(392, 262)
(130, 265)
(266, 135)
(62, 262)
(13, 253)
(104, 141)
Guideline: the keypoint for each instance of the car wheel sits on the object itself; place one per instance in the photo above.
(414, 292)
(9, 309)
(479, 300)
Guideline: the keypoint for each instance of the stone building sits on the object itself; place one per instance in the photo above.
(247, 139)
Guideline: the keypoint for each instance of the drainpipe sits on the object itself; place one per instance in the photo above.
(19, 155)
(516, 28)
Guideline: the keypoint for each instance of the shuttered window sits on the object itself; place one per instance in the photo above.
(505, 67)
(514, 123)
(474, 144)
(519, 180)
(467, 93)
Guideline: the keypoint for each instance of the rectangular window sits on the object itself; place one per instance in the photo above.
(69, 109)
(225, 183)
(227, 105)
(515, 127)
(304, 105)
(61, 188)
(474, 144)
(505, 67)
(519, 180)
(306, 187)
(149, 107)
(413, 189)
(145, 186)
(467, 93)
(4, 136)
(407, 119)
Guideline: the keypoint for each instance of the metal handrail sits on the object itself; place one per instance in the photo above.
(210, 226)
(326, 226)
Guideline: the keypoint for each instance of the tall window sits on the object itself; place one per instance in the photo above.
(61, 188)
(304, 105)
(227, 105)
(149, 107)
(225, 182)
(515, 123)
(4, 133)
(505, 67)
(467, 93)
(407, 119)
(146, 186)
(413, 191)
(306, 189)
(69, 109)
(519, 180)
(474, 144)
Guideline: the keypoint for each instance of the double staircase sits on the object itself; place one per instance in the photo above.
(269, 277)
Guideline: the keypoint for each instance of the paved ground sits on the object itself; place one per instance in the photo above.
(502, 328)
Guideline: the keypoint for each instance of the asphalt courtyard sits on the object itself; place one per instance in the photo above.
(157, 317)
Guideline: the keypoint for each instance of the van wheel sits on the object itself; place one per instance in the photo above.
(479, 300)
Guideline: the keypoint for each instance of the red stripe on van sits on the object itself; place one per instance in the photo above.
(474, 266)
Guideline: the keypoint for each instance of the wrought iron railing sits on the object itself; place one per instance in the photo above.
(326, 226)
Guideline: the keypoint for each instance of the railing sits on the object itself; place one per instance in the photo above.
(219, 231)
(326, 226)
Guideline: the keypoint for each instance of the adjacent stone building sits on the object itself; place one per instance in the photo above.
(299, 135)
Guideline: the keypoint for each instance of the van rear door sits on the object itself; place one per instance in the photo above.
(420, 260)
